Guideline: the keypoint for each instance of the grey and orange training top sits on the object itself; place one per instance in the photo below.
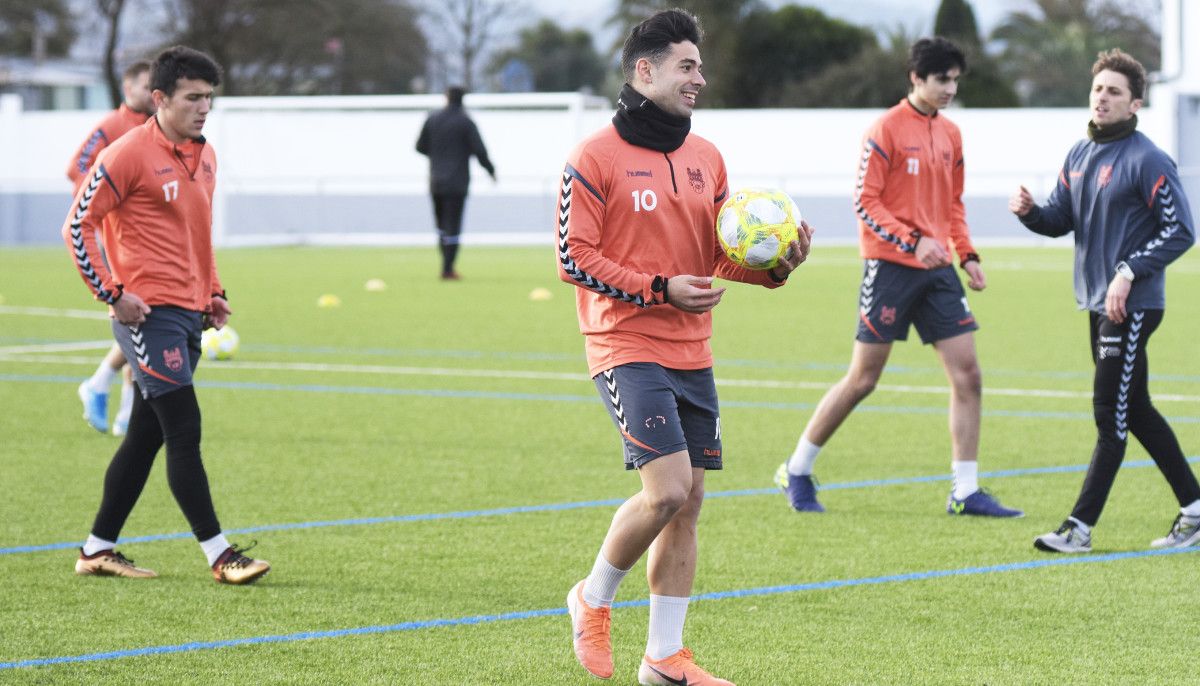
(152, 200)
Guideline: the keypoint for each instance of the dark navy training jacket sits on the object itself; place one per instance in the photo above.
(1124, 202)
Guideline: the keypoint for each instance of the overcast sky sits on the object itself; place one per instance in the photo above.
(916, 15)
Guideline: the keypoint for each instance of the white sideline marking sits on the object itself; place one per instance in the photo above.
(54, 312)
(55, 347)
(7, 355)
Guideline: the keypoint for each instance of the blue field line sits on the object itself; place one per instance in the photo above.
(558, 507)
(474, 620)
(570, 398)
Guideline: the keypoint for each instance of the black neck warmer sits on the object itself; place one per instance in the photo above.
(1114, 132)
(640, 122)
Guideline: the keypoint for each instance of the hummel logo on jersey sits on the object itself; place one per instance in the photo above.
(639, 172)
(164, 170)
(681, 681)
(1110, 339)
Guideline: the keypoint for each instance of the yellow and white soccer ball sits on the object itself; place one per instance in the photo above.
(219, 344)
(755, 226)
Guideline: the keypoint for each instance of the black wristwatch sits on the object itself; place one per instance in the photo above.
(659, 285)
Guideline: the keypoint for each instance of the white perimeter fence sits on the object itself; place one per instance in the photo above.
(343, 170)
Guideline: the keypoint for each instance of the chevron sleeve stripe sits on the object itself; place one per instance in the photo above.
(79, 235)
(870, 148)
(569, 266)
(1166, 216)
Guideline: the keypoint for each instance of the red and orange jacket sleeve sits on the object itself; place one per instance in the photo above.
(960, 236)
(581, 217)
(100, 194)
(873, 172)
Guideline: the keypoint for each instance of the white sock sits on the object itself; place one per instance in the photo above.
(213, 548)
(666, 626)
(1084, 528)
(966, 477)
(126, 401)
(601, 585)
(101, 378)
(95, 544)
(802, 459)
(1192, 510)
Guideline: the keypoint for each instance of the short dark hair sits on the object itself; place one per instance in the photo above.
(1123, 63)
(181, 62)
(654, 37)
(935, 55)
(454, 95)
(135, 70)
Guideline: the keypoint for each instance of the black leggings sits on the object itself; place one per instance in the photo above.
(173, 418)
(448, 212)
(1121, 404)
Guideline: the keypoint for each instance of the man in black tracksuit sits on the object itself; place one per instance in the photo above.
(448, 139)
(1121, 196)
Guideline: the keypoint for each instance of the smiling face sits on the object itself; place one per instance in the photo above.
(1111, 101)
(935, 91)
(183, 113)
(675, 81)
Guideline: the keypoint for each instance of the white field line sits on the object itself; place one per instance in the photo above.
(6, 356)
(55, 347)
(53, 312)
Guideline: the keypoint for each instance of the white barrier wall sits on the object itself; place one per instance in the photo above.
(349, 174)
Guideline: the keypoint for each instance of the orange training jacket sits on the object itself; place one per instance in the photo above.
(910, 184)
(112, 127)
(626, 215)
(152, 199)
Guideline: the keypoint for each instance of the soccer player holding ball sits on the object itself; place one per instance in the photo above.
(910, 217)
(636, 237)
(150, 193)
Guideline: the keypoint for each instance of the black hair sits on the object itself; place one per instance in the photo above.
(181, 62)
(135, 70)
(935, 55)
(454, 95)
(654, 37)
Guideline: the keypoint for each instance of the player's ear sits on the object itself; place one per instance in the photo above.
(644, 70)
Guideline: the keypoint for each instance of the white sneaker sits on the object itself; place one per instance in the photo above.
(1184, 532)
(1067, 539)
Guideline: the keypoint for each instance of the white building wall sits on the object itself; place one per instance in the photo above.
(344, 173)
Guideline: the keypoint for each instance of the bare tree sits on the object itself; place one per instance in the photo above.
(470, 28)
(112, 9)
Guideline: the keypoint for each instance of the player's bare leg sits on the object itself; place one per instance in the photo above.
(666, 488)
(671, 571)
(794, 477)
(666, 485)
(866, 366)
(966, 400)
(966, 394)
